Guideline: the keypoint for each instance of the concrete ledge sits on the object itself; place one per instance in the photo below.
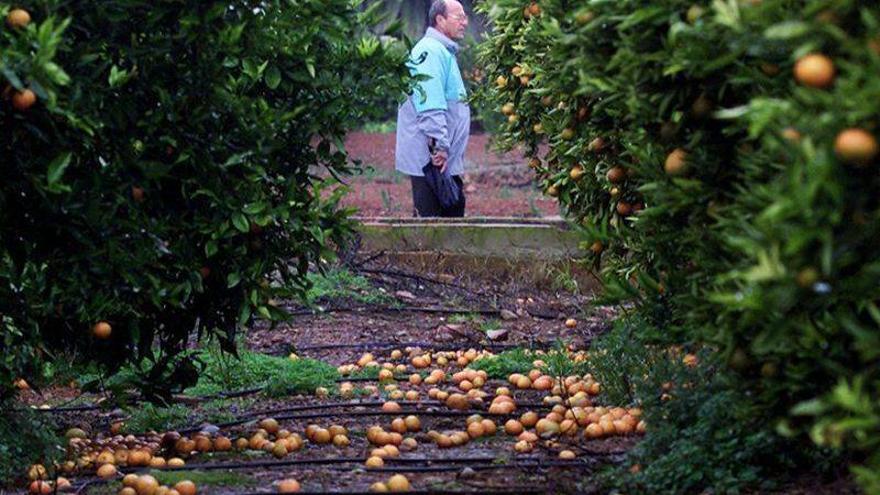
(546, 239)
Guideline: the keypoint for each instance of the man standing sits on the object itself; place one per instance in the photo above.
(433, 124)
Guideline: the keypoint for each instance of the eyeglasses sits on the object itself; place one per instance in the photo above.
(457, 17)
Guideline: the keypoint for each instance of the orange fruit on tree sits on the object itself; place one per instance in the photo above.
(676, 162)
(856, 147)
(534, 9)
(23, 100)
(791, 134)
(576, 172)
(814, 70)
(616, 175)
(18, 18)
(137, 194)
(102, 330)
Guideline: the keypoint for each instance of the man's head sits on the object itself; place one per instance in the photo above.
(448, 17)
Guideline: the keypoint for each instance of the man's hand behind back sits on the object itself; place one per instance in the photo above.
(439, 159)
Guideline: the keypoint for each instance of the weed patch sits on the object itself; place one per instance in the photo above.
(146, 417)
(341, 284)
(502, 365)
(204, 478)
(302, 376)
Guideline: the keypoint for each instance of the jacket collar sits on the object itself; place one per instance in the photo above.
(442, 38)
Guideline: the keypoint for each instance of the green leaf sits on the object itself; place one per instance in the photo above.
(211, 248)
(273, 77)
(233, 279)
(57, 168)
(787, 30)
(240, 222)
(118, 77)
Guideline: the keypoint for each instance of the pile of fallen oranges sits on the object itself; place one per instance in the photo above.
(569, 399)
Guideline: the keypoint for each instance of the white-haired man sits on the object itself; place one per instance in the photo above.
(433, 124)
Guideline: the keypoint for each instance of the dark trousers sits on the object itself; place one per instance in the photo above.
(426, 203)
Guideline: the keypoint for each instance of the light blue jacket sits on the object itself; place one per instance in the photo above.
(436, 108)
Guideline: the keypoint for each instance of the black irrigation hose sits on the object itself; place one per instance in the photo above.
(405, 464)
(201, 398)
(385, 345)
(480, 491)
(397, 309)
(334, 405)
(249, 417)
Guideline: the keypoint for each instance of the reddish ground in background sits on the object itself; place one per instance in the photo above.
(495, 184)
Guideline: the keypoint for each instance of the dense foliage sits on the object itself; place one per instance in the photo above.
(167, 178)
(721, 160)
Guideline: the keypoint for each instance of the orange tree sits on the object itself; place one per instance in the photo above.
(162, 169)
(721, 160)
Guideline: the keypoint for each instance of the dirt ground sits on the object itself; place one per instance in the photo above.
(428, 311)
(495, 184)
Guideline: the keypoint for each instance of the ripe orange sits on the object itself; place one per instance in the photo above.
(534, 163)
(814, 70)
(576, 172)
(398, 483)
(107, 471)
(18, 18)
(146, 485)
(597, 144)
(534, 9)
(513, 427)
(791, 134)
(185, 487)
(597, 247)
(624, 209)
(676, 162)
(583, 113)
(501, 81)
(287, 486)
(508, 108)
(23, 100)
(40, 487)
(137, 194)
(856, 147)
(616, 175)
(102, 330)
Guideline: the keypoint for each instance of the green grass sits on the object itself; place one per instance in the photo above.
(379, 127)
(340, 283)
(502, 365)
(302, 376)
(490, 325)
(204, 478)
(227, 373)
